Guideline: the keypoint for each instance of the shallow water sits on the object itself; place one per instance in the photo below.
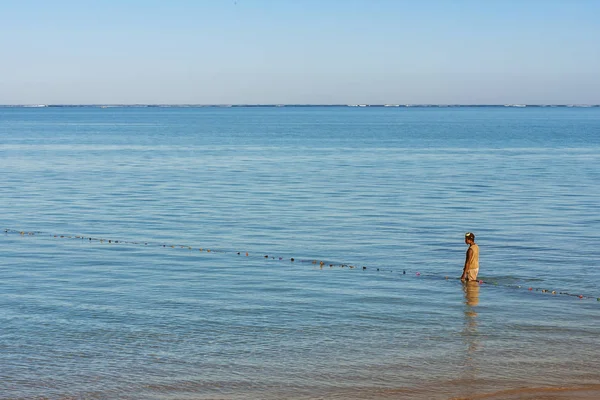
(392, 190)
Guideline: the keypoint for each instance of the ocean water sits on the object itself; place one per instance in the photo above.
(196, 295)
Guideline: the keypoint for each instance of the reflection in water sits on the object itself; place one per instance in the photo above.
(470, 333)
(471, 290)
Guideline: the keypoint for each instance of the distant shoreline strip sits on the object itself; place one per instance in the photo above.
(320, 263)
(299, 105)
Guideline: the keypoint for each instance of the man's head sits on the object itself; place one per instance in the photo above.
(469, 238)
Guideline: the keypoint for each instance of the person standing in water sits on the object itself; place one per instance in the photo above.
(471, 268)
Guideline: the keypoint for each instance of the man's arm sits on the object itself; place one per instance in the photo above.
(469, 255)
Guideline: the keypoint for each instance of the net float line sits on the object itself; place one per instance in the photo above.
(537, 289)
(320, 263)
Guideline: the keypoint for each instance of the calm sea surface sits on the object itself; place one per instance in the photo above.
(155, 315)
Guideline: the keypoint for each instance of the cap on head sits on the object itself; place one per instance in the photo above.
(470, 236)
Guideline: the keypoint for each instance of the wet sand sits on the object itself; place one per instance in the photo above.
(588, 392)
(561, 393)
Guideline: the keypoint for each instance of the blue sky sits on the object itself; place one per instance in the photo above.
(303, 51)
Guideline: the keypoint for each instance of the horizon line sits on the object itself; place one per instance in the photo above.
(225, 105)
